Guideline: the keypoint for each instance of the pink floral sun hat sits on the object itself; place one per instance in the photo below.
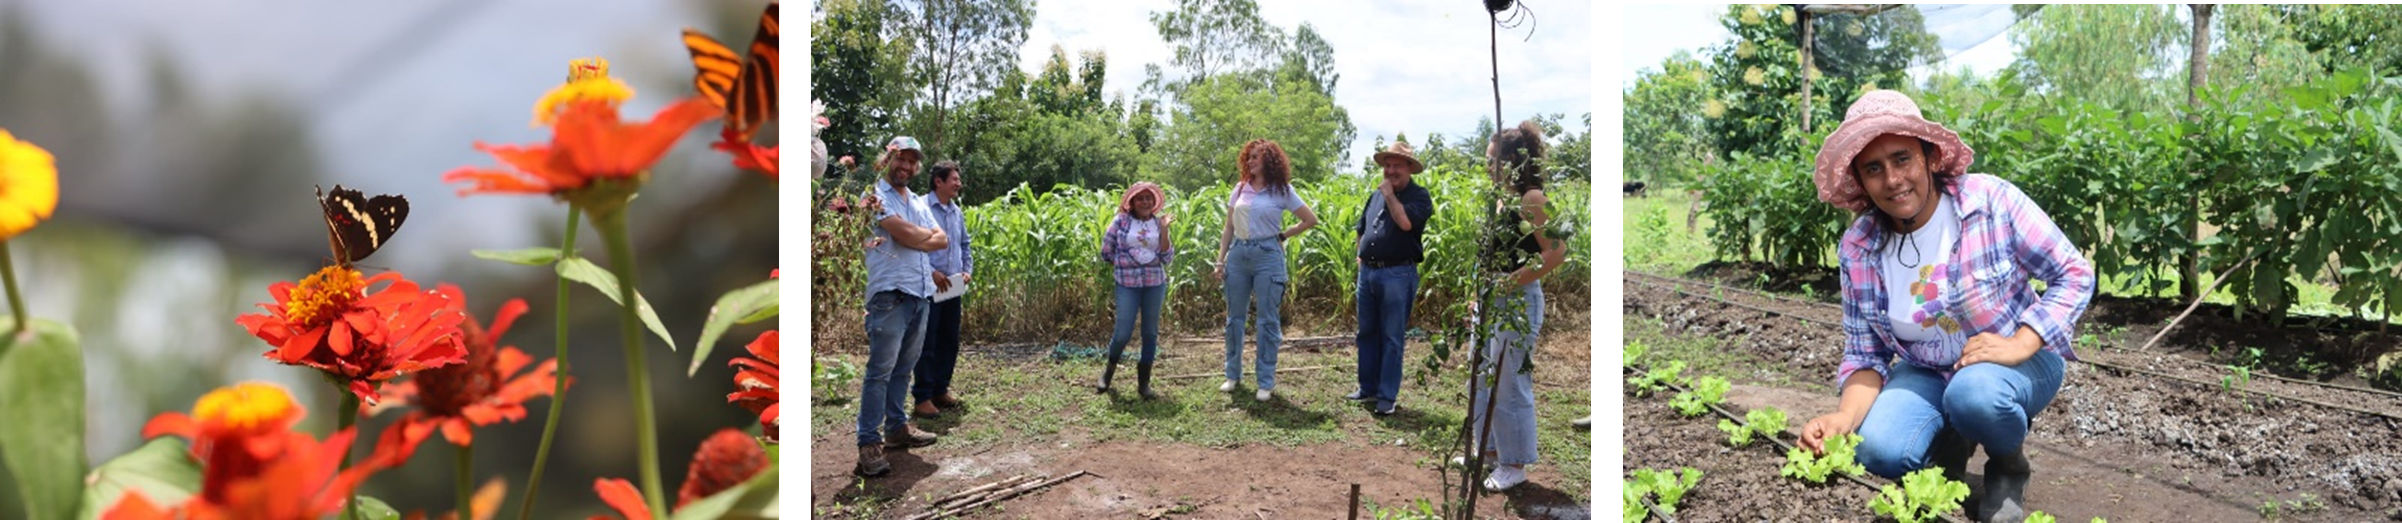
(1876, 114)
(1159, 198)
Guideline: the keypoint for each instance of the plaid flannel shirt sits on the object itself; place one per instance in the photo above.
(1117, 251)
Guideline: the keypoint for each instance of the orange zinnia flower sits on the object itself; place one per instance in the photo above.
(253, 466)
(330, 321)
(748, 155)
(726, 459)
(458, 398)
(589, 143)
(756, 381)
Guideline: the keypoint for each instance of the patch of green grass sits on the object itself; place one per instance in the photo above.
(1656, 238)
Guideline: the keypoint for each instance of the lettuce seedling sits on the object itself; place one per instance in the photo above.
(1800, 463)
(1658, 379)
(1634, 352)
(1923, 495)
(1707, 391)
(1666, 487)
(1765, 422)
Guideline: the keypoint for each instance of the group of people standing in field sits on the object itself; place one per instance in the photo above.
(920, 249)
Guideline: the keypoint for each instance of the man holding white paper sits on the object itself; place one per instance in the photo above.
(951, 266)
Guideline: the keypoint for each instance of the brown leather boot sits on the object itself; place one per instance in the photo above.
(871, 462)
(908, 437)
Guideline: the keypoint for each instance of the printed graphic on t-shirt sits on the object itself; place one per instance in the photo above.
(1927, 294)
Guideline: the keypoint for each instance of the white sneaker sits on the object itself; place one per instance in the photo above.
(1263, 395)
(1228, 386)
(1504, 477)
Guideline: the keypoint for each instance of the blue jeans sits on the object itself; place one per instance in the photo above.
(1384, 298)
(1513, 436)
(1145, 302)
(1986, 404)
(1255, 275)
(941, 355)
(896, 331)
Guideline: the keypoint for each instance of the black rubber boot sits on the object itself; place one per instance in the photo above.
(1107, 373)
(1951, 452)
(2006, 477)
(1142, 372)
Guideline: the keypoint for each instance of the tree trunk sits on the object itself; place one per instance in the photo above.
(2198, 75)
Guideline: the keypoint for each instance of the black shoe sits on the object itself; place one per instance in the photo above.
(1142, 375)
(2006, 479)
(1388, 410)
(1582, 423)
(1107, 373)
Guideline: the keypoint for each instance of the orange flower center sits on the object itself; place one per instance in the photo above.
(246, 407)
(324, 295)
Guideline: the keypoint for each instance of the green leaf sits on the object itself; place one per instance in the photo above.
(375, 509)
(532, 256)
(41, 401)
(753, 499)
(744, 305)
(162, 470)
(582, 270)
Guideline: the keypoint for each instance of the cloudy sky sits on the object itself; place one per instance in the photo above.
(1410, 66)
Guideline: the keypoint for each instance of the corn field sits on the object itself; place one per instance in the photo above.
(1039, 276)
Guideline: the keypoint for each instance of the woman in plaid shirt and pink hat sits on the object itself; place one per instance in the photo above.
(1138, 246)
(1961, 351)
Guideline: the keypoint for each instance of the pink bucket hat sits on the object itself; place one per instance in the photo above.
(1876, 114)
(1126, 202)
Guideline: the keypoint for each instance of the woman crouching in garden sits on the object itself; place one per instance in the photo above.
(1138, 246)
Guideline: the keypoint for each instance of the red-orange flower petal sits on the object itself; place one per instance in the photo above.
(589, 142)
(336, 322)
(756, 383)
(483, 390)
(621, 495)
(726, 459)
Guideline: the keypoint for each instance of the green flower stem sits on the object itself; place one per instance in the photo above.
(16, 304)
(612, 226)
(558, 396)
(466, 481)
(348, 416)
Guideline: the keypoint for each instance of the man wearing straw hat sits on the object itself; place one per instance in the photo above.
(1391, 229)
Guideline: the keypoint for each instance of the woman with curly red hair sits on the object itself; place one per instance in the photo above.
(1251, 256)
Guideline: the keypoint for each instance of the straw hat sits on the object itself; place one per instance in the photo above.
(1876, 114)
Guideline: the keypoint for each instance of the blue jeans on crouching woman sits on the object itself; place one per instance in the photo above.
(1986, 404)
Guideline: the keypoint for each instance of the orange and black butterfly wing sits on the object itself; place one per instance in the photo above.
(743, 84)
(717, 65)
(754, 100)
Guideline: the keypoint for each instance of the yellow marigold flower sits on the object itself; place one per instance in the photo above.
(586, 80)
(1754, 76)
(28, 185)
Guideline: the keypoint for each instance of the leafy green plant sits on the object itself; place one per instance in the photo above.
(1765, 422)
(1630, 503)
(1657, 379)
(1707, 391)
(2237, 377)
(1815, 469)
(829, 378)
(1923, 496)
(1665, 487)
(1634, 352)
(1421, 509)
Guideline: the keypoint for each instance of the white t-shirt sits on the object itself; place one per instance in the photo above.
(1917, 274)
(1144, 236)
(1259, 214)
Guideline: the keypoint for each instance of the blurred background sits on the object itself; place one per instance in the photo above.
(188, 137)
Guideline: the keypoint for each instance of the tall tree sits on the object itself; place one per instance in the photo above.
(857, 63)
(1666, 141)
(2344, 36)
(1757, 76)
(1313, 56)
(964, 47)
(2121, 56)
(1215, 36)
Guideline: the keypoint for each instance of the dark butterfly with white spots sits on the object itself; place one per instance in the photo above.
(357, 225)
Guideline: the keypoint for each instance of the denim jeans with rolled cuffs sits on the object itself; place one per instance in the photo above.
(1987, 404)
(896, 330)
(1384, 297)
(1255, 275)
(1506, 350)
